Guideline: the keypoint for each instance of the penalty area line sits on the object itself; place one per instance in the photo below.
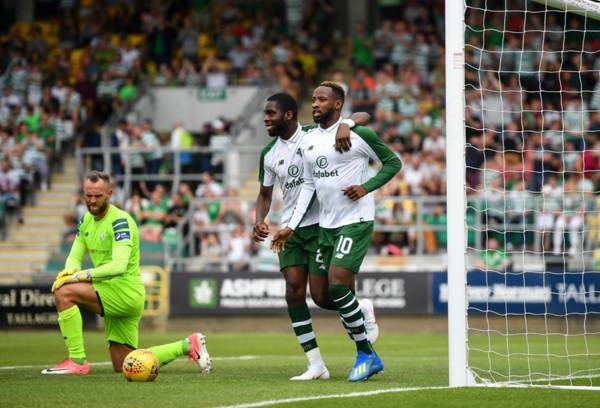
(332, 396)
(103, 363)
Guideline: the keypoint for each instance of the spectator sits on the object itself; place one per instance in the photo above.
(129, 91)
(208, 184)
(136, 159)
(107, 92)
(211, 251)
(238, 249)
(551, 199)
(571, 217)
(362, 43)
(129, 54)
(150, 142)
(181, 140)
(160, 41)
(434, 143)
(383, 43)
(135, 205)
(152, 218)
(186, 193)
(493, 258)
(219, 142)
(214, 73)
(239, 57)
(34, 157)
(176, 212)
(362, 90)
(10, 187)
(338, 77)
(47, 132)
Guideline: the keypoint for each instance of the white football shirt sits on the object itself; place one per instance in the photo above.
(281, 161)
(328, 172)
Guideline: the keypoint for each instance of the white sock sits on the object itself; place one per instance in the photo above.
(314, 358)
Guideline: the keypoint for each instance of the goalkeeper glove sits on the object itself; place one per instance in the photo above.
(71, 276)
(66, 271)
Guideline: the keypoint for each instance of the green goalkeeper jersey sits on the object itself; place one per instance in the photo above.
(113, 244)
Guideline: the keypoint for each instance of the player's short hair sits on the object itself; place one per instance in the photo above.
(95, 175)
(337, 89)
(286, 102)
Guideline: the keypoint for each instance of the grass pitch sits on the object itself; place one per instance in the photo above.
(252, 368)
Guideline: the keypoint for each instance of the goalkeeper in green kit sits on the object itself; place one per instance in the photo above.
(112, 288)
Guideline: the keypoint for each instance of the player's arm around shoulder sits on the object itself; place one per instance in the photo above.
(376, 148)
(343, 141)
(379, 147)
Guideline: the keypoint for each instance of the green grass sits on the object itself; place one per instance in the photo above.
(411, 361)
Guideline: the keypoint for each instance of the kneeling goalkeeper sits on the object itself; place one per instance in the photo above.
(113, 288)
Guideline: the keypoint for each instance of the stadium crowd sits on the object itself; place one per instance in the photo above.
(532, 150)
(62, 78)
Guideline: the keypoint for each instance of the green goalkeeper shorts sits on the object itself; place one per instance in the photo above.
(122, 302)
(346, 246)
(303, 249)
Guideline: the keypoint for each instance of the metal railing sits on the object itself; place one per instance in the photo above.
(479, 226)
(189, 233)
(231, 176)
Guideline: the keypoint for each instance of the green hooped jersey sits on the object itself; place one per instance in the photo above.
(113, 244)
(328, 172)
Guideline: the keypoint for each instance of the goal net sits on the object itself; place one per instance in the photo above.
(531, 203)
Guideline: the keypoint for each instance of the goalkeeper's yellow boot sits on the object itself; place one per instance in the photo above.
(198, 352)
(68, 366)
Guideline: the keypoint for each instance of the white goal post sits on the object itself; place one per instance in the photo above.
(523, 365)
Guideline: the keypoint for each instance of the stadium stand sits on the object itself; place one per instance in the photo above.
(65, 78)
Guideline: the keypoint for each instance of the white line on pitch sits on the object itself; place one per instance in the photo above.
(103, 363)
(332, 396)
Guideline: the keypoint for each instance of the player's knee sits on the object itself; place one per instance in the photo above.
(323, 300)
(64, 294)
(295, 295)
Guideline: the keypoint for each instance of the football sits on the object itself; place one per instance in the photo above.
(141, 366)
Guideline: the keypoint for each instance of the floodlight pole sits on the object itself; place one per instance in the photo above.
(455, 182)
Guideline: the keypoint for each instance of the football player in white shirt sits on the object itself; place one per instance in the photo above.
(346, 210)
(281, 162)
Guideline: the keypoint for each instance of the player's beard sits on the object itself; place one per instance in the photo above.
(98, 209)
(323, 116)
(277, 129)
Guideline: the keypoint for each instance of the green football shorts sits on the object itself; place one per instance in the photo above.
(346, 246)
(122, 304)
(303, 249)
